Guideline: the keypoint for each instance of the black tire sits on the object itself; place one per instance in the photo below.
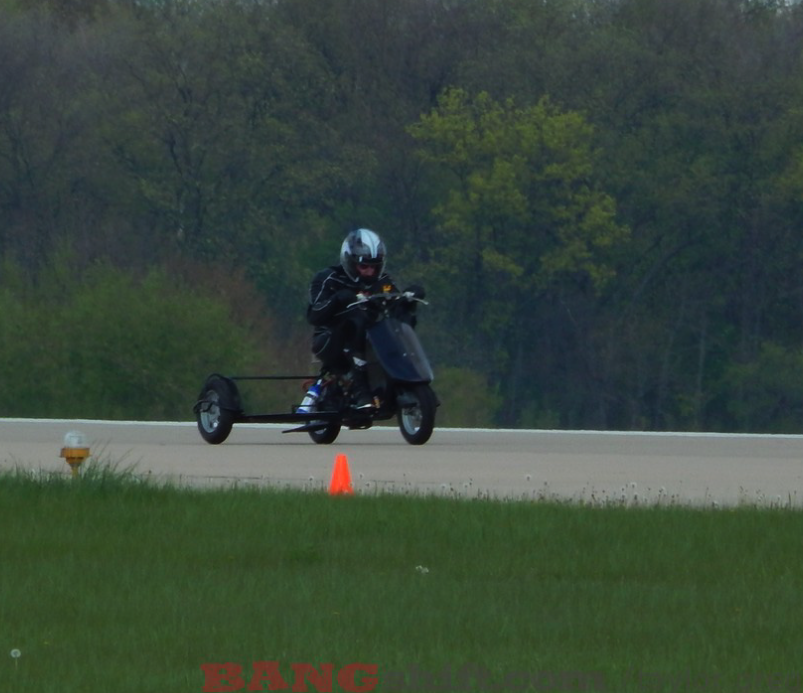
(325, 436)
(217, 409)
(329, 399)
(416, 422)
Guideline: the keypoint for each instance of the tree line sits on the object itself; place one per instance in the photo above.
(603, 198)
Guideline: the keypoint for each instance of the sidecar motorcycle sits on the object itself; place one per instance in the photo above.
(399, 376)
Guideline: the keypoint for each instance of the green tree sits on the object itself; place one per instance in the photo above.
(687, 99)
(108, 344)
(46, 146)
(221, 124)
(520, 214)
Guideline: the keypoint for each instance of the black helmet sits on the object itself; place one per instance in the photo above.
(362, 247)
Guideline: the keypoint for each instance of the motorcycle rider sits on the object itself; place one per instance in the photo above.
(340, 331)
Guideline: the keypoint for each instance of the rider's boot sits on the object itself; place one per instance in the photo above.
(360, 390)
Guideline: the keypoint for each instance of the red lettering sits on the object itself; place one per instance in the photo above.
(322, 681)
(267, 671)
(215, 673)
(346, 677)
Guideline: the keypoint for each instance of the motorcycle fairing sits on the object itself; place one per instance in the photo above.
(399, 351)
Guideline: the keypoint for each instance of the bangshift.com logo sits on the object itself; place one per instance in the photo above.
(361, 678)
(228, 676)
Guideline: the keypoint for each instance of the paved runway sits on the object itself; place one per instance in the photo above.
(576, 465)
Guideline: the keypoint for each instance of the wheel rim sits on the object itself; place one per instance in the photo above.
(411, 419)
(210, 412)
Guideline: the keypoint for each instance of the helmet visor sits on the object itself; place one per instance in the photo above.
(369, 262)
(368, 267)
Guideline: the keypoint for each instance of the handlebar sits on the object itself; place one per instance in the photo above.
(386, 297)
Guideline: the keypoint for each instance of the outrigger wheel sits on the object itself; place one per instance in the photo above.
(217, 408)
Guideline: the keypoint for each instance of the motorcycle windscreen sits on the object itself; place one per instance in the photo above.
(399, 351)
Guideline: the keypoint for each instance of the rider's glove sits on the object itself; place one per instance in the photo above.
(414, 292)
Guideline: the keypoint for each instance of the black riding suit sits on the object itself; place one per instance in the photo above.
(340, 331)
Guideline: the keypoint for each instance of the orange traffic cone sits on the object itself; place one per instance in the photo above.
(341, 477)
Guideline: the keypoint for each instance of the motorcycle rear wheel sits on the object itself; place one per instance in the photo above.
(325, 436)
(329, 399)
(416, 422)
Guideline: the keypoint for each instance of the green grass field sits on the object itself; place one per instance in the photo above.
(111, 584)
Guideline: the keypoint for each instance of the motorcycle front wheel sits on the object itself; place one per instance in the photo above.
(417, 421)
